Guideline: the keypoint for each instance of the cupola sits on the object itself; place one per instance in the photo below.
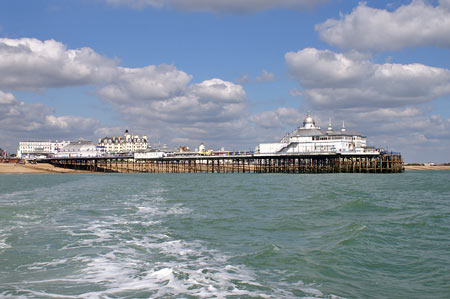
(308, 122)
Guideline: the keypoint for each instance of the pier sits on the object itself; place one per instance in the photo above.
(256, 163)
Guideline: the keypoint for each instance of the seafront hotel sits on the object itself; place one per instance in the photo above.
(38, 149)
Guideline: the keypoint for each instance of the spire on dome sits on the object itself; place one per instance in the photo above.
(330, 128)
(343, 126)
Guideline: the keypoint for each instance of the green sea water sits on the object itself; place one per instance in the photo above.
(225, 235)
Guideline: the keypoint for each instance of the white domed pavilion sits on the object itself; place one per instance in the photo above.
(310, 138)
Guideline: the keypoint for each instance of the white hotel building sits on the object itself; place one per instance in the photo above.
(312, 139)
(123, 144)
(39, 149)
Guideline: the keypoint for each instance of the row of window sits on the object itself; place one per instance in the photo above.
(123, 141)
(336, 138)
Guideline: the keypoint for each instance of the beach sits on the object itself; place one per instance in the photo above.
(48, 168)
(34, 168)
(423, 167)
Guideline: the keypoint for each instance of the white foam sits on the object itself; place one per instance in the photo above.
(148, 210)
(205, 276)
(311, 291)
(152, 263)
(3, 244)
(6, 295)
(158, 211)
(159, 265)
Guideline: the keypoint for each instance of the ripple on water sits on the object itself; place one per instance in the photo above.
(197, 235)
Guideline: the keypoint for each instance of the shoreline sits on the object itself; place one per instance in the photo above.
(13, 168)
(436, 167)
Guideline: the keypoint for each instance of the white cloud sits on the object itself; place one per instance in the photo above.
(384, 101)
(160, 99)
(142, 96)
(136, 4)
(199, 107)
(155, 98)
(162, 93)
(218, 89)
(147, 83)
(265, 76)
(29, 63)
(20, 121)
(216, 6)
(410, 130)
(315, 68)
(243, 79)
(239, 6)
(372, 29)
(17, 116)
(445, 4)
(7, 98)
(282, 118)
(331, 79)
(110, 131)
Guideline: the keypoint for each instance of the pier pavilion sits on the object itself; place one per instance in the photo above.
(310, 138)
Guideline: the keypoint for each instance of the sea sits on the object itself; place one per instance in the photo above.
(225, 235)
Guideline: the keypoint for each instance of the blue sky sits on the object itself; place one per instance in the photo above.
(226, 73)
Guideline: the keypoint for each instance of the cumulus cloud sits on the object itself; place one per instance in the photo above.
(136, 4)
(410, 130)
(147, 83)
(265, 76)
(445, 4)
(162, 90)
(243, 79)
(229, 6)
(29, 63)
(17, 116)
(282, 118)
(238, 6)
(384, 101)
(7, 98)
(163, 93)
(332, 79)
(218, 89)
(20, 121)
(159, 98)
(372, 29)
(185, 111)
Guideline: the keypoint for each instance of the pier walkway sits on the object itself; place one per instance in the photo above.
(255, 163)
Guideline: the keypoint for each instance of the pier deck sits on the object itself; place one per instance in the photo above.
(257, 163)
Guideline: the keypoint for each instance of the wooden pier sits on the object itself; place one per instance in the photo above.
(258, 163)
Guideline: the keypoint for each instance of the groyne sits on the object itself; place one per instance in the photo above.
(257, 163)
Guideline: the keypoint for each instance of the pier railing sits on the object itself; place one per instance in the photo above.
(255, 163)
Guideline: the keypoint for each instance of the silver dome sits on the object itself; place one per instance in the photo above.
(308, 120)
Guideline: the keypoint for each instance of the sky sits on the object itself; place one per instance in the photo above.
(229, 73)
